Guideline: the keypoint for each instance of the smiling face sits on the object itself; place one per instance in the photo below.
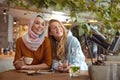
(38, 25)
(56, 30)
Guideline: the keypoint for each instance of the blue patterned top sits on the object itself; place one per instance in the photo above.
(75, 54)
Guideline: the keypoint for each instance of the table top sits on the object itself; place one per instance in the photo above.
(6, 56)
(15, 75)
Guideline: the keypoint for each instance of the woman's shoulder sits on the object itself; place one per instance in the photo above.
(71, 38)
(19, 39)
(47, 40)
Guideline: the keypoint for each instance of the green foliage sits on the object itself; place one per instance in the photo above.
(84, 29)
(106, 12)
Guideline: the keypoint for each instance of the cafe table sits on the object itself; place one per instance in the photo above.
(16, 75)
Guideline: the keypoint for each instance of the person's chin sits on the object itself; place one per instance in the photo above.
(38, 33)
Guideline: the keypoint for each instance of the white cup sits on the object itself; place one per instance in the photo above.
(28, 60)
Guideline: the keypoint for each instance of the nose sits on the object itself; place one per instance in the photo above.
(40, 26)
(58, 29)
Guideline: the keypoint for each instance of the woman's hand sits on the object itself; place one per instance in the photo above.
(66, 67)
(63, 67)
(60, 66)
(19, 64)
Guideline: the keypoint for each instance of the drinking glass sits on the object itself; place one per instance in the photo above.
(74, 70)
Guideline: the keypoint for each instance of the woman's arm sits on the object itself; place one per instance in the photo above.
(18, 52)
(47, 57)
(18, 59)
(75, 55)
(20, 65)
(42, 66)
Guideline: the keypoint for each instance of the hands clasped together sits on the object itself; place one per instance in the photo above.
(63, 66)
(22, 62)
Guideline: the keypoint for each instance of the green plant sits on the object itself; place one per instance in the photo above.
(107, 12)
